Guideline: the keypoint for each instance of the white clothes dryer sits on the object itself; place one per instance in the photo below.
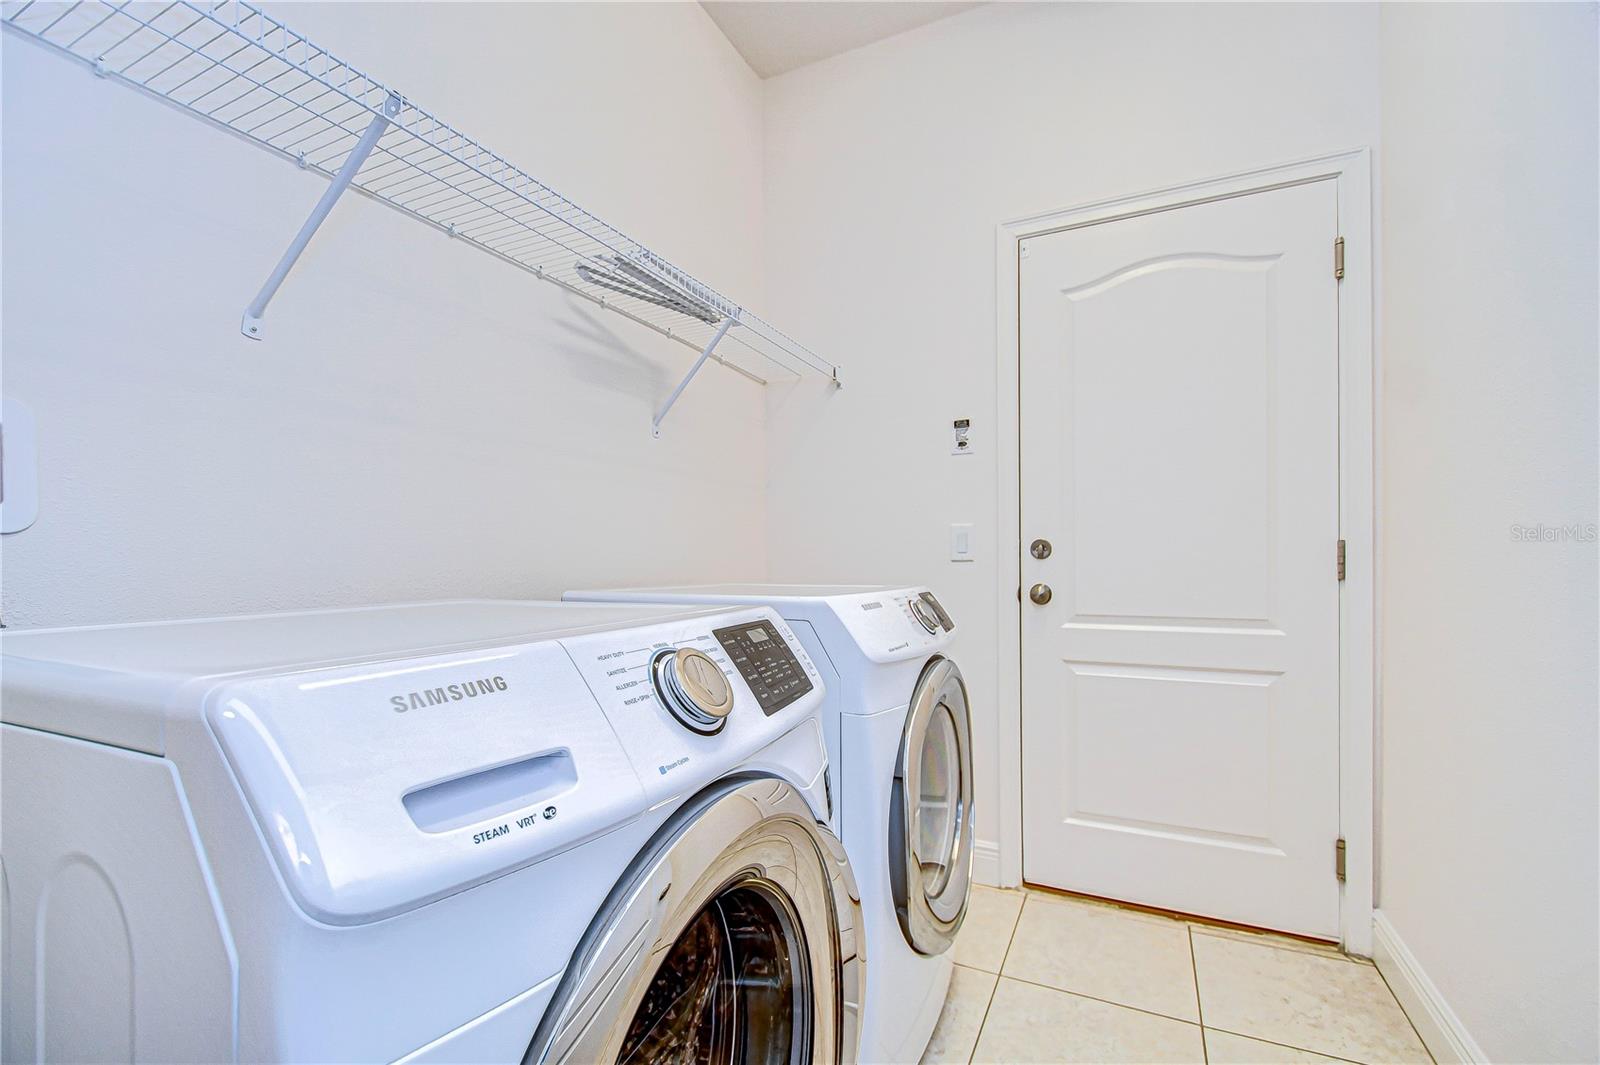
(899, 741)
(464, 831)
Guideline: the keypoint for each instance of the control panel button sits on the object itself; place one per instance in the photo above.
(693, 688)
(763, 658)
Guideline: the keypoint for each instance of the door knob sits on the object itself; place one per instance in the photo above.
(1040, 549)
(1040, 594)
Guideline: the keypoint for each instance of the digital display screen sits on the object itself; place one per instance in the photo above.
(756, 635)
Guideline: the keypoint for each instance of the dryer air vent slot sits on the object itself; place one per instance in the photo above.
(487, 793)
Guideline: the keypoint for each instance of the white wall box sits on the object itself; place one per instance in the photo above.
(242, 71)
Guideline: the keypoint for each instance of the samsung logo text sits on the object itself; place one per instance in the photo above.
(450, 693)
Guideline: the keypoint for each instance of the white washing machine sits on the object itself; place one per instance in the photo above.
(467, 831)
(899, 737)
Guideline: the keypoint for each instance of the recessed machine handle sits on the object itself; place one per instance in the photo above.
(1040, 594)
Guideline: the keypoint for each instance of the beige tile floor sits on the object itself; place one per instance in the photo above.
(1042, 978)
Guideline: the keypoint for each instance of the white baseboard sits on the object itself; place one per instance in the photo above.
(1441, 1030)
(986, 862)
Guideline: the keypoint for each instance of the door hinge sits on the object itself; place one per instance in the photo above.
(1338, 259)
(1340, 562)
(1338, 859)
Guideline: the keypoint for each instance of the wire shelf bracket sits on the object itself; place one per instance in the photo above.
(251, 326)
(238, 69)
(722, 331)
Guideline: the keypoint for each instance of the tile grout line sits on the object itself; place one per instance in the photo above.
(1106, 1001)
(1199, 1009)
(1426, 1049)
(987, 1005)
(1286, 1046)
(1012, 938)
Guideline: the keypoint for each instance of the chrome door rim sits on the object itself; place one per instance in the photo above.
(939, 687)
(755, 832)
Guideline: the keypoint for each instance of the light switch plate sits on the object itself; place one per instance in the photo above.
(19, 468)
(961, 543)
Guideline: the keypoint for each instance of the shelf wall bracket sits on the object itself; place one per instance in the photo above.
(251, 325)
(716, 338)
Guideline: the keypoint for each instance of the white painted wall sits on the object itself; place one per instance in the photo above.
(888, 169)
(1489, 804)
(422, 421)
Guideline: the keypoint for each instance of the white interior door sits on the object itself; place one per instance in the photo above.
(1179, 425)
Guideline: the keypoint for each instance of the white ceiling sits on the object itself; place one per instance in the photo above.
(775, 36)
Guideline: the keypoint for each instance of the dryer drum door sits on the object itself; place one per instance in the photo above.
(733, 939)
(930, 812)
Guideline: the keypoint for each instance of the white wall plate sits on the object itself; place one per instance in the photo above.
(19, 468)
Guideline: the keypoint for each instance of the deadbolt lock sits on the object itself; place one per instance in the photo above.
(1040, 594)
(1040, 549)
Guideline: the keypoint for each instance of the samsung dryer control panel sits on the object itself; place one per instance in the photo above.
(639, 676)
(893, 624)
(385, 785)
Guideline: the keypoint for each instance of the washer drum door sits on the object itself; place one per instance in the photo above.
(734, 939)
(930, 811)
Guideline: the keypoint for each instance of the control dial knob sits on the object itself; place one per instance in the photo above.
(693, 688)
(924, 614)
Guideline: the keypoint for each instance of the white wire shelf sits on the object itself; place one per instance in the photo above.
(244, 72)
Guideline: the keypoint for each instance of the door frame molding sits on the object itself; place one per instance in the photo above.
(1351, 171)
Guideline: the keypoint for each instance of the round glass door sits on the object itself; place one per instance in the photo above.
(939, 811)
(731, 991)
(733, 939)
(931, 818)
